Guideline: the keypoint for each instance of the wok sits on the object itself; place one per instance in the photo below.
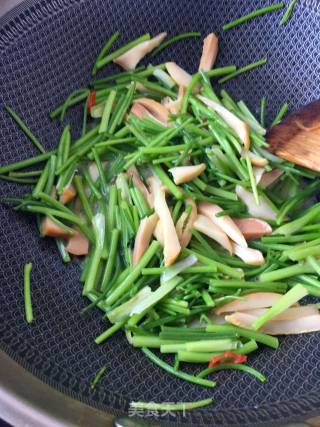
(47, 49)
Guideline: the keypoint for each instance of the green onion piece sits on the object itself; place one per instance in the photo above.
(175, 39)
(111, 41)
(280, 114)
(181, 406)
(180, 374)
(242, 70)
(236, 366)
(268, 9)
(287, 15)
(27, 292)
(98, 376)
(25, 129)
(291, 297)
(123, 49)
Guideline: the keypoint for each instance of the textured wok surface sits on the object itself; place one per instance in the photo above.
(46, 51)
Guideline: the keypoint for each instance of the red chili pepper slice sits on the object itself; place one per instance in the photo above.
(91, 101)
(227, 357)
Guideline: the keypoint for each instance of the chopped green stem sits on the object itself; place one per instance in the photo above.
(35, 141)
(102, 176)
(118, 52)
(296, 225)
(26, 163)
(134, 274)
(74, 100)
(288, 13)
(180, 374)
(284, 273)
(242, 70)
(98, 376)
(107, 111)
(84, 92)
(62, 250)
(263, 111)
(246, 333)
(281, 113)
(175, 39)
(181, 406)
(63, 147)
(27, 292)
(216, 72)
(109, 332)
(259, 12)
(111, 260)
(232, 272)
(18, 180)
(91, 184)
(42, 181)
(291, 297)
(314, 263)
(235, 366)
(173, 188)
(108, 44)
(78, 182)
(191, 87)
(25, 174)
(51, 174)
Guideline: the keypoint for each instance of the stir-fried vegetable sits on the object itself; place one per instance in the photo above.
(196, 239)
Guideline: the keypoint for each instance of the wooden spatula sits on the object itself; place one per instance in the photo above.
(297, 137)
